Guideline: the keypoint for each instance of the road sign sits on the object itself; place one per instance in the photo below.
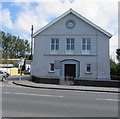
(21, 61)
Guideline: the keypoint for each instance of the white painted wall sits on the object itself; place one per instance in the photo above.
(99, 57)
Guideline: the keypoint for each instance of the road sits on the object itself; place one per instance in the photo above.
(28, 102)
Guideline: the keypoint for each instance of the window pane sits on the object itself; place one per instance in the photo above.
(52, 47)
(57, 47)
(88, 69)
(52, 41)
(88, 47)
(84, 47)
(68, 41)
(88, 41)
(83, 41)
(72, 47)
(51, 67)
(72, 41)
(57, 41)
(68, 47)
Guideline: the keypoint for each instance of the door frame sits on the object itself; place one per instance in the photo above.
(69, 61)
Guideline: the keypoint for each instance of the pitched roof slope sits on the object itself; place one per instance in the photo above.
(79, 16)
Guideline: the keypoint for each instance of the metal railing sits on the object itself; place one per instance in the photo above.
(69, 80)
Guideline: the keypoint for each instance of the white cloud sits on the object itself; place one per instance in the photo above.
(113, 46)
(6, 18)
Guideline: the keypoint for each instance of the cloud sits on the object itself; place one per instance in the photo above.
(18, 1)
(6, 19)
(36, 16)
(113, 44)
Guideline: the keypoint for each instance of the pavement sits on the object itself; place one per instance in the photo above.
(30, 84)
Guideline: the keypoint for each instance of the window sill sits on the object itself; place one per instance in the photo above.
(51, 72)
(88, 73)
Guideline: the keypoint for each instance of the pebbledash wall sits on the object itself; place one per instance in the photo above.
(71, 25)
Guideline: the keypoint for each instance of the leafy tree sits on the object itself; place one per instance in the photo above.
(118, 58)
(113, 66)
(13, 46)
(118, 54)
(28, 57)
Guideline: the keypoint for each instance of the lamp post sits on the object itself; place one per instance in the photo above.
(31, 40)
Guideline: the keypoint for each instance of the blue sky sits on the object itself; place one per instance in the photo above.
(19, 15)
(14, 10)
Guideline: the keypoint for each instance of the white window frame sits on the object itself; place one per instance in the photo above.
(50, 67)
(54, 51)
(86, 51)
(70, 51)
(86, 71)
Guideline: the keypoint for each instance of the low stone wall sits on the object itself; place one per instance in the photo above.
(98, 83)
(79, 82)
(45, 80)
(115, 77)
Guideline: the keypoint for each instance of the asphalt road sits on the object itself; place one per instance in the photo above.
(28, 102)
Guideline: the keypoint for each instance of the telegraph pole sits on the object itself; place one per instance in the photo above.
(31, 41)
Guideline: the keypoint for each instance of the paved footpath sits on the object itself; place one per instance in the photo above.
(27, 83)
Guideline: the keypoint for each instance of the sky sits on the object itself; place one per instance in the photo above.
(19, 15)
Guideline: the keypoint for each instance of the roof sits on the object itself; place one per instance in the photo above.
(76, 14)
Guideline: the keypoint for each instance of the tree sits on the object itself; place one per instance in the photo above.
(118, 58)
(13, 46)
(118, 54)
(113, 67)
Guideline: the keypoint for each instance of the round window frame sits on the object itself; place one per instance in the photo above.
(70, 27)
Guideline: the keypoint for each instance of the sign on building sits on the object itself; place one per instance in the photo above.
(57, 64)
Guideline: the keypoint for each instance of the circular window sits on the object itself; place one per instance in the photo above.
(70, 24)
